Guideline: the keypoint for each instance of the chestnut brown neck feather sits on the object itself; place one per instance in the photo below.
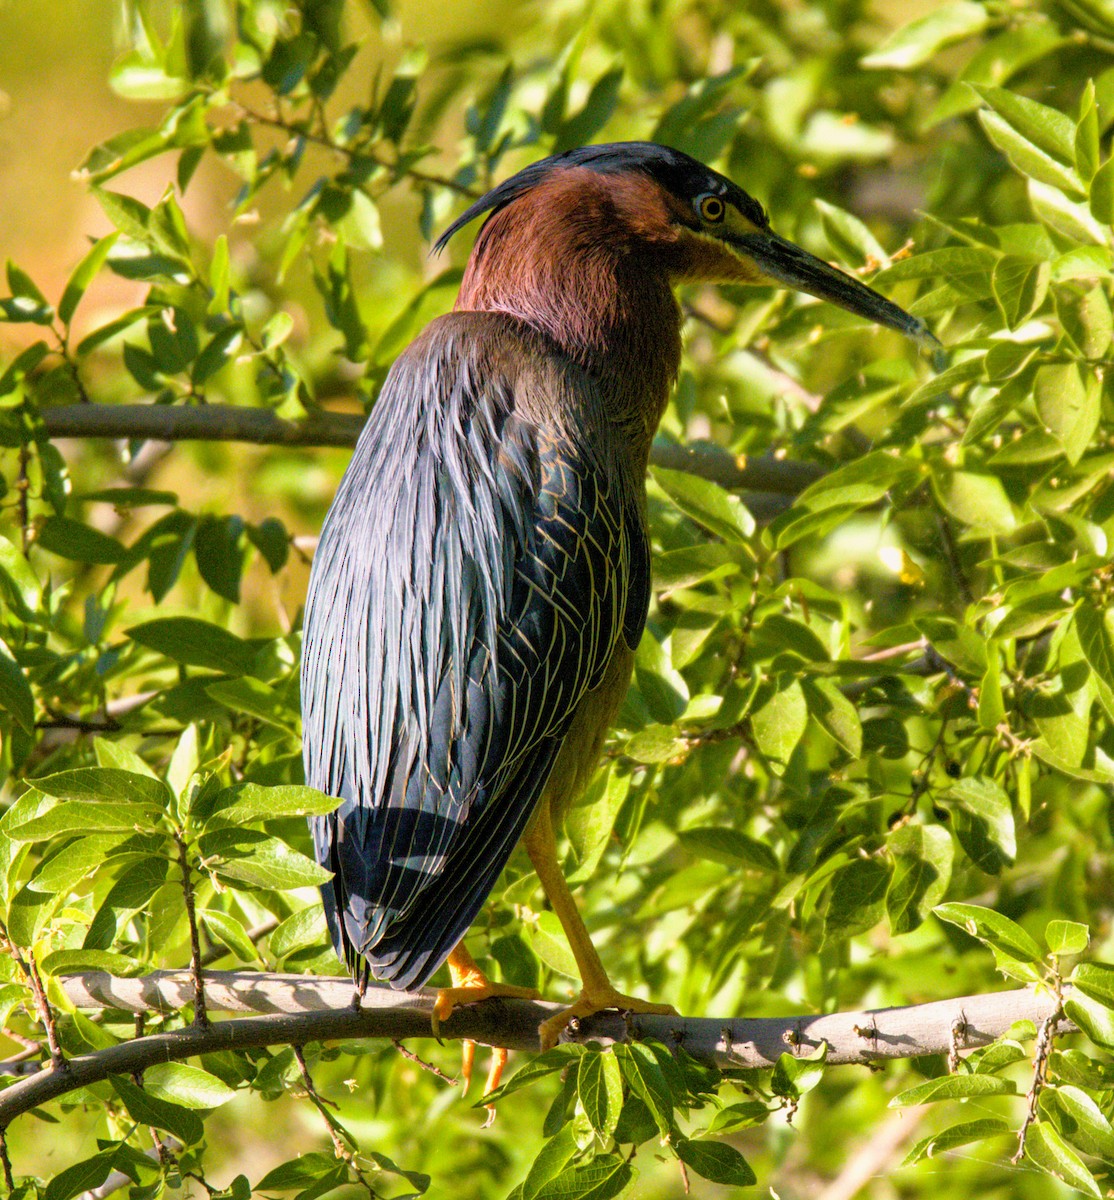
(586, 260)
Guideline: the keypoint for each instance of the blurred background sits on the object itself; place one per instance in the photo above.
(845, 153)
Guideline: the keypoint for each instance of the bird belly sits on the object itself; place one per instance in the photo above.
(580, 751)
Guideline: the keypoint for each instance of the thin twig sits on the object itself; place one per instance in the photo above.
(421, 1062)
(1045, 1036)
(6, 1162)
(23, 485)
(344, 1146)
(327, 143)
(42, 1004)
(200, 1016)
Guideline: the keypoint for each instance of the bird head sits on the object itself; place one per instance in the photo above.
(644, 198)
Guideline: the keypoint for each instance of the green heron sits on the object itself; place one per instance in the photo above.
(483, 576)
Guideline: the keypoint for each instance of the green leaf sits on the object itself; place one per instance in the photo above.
(83, 275)
(599, 1088)
(835, 714)
(591, 821)
(919, 40)
(256, 699)
(132, 893)
(958, 1135)
(117, 755)
(270, 538)
(304, 928)
(850, 237)
(251, 858)
(603, 1177)
(82, 543)
(23, 587)
(148, 1110)
(1094, 1018)
(191, 1087)
(64, 962)
(721, 844)
(922, 857)
(779, 724)
(1068, 407)
(708, 504)
(984, 822)
(1028, 159)
(537, 1068)
(15, 692)
(645, 1079)
(978, 501)
(1047, 1149)
(316, 1167)
(1097, 643)
(196, 643)
(1097, 981)
(953, 1087)
(1079, 1120)
(222, 347)
(1102, 193)
(84, 817)
(795, 1074)
(857, 897)
(130, 216)
(244, 802)
(656, 744)
(551, 945)
(229, 932)
(108, 784)
(81, 1177)
(1046, 128)
(1020, 287)
(1086, 140)
(992, 929)
(716, 1161)
(1066, 937)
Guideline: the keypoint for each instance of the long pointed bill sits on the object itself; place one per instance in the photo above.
(789, 265)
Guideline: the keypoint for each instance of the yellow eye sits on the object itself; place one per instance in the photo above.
(711, 208)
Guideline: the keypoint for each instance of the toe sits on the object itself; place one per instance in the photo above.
(467, 1059)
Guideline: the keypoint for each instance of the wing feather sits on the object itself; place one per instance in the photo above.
(474, 576)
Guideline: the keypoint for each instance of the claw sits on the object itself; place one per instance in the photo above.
(470, 986)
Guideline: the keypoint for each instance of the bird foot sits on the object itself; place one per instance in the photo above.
(474, 986)
(593, 1000)
(472, 992)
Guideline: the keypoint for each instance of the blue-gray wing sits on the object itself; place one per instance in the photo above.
(478, 567)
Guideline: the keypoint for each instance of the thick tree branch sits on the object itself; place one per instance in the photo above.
(300, 1009)
(237, 423)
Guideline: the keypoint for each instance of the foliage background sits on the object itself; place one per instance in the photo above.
(895, 691)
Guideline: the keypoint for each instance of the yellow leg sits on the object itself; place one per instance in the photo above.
(596, 991)
(471, 985)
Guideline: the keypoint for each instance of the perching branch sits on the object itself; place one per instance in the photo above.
(300, 1009)
(237, 423)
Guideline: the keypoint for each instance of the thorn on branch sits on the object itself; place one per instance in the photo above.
(958, 1036)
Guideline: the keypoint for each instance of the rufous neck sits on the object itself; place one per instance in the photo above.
(600, 297)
